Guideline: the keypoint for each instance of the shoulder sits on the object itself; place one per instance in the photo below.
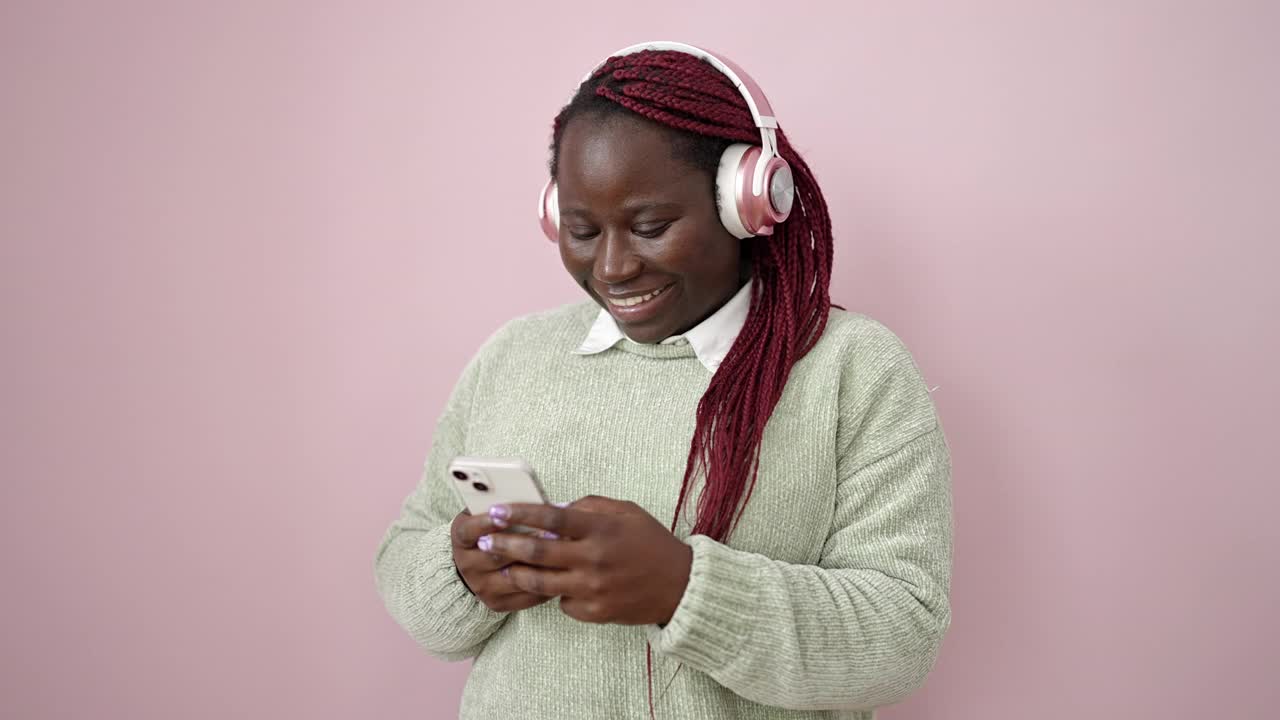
(883, 397)
(863, 345)
(559, 328)
(523, 342)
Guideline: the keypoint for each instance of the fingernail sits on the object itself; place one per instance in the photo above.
(505, 572)
(498, 515)
(548, 535)
(563, 504)
(485, 543)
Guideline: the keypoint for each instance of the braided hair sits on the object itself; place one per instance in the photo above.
(791, 269)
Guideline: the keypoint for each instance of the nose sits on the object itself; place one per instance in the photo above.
(616, 260)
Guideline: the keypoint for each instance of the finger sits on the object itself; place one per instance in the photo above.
(542, 581)
(467, 529)
(595, 503)
(516, 601)
(532, 550)
(483, 579)
(602, 504)
(564, 522)
(478, 561)
(505, 580)
(583, 610)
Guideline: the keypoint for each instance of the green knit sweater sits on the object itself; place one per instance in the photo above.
(829, 599)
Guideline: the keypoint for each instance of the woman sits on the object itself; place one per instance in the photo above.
(704, 371)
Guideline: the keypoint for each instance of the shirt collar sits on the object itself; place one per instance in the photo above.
(710, 339)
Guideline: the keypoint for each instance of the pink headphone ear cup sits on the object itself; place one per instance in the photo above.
(549, 211)
(727, 181)
(779, 190)
(743, 213)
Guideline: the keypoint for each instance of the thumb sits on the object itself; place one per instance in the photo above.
(601, 504)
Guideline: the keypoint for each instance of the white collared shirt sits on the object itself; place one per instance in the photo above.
(710, 339)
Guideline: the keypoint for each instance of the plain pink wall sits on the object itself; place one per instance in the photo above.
(248, 246)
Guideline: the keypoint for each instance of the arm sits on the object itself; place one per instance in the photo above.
(862, 627)
(414, 567)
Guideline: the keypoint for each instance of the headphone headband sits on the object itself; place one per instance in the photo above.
(761, 110)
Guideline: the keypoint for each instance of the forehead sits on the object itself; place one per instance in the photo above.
(614, 158)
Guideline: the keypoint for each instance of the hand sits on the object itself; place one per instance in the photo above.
(612, 562)
(482, 571)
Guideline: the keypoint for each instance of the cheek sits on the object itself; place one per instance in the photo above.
(702, 256)
(574, 259)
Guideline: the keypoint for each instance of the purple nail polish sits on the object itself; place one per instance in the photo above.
(485, 543)
(547, 534)
(499, 512)
(506, 571)
(563, 504)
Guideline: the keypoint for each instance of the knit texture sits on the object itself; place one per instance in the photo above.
(829, 599)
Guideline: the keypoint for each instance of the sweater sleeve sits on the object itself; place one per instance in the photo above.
(413, 567)
(862, 627)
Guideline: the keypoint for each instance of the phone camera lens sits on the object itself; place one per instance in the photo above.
(480, 486)
(459, 474)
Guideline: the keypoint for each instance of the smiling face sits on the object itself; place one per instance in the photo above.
(639, 229)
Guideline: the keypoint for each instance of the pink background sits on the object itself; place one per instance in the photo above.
(248, 246)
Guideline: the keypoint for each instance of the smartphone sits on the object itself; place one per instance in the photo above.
(483, 482)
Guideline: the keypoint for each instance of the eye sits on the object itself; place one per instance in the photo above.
(581, 233)
(651, 231)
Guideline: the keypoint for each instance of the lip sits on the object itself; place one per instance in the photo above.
(638, 293)
(643, 312)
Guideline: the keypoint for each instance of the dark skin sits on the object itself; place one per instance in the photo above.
(634, 219)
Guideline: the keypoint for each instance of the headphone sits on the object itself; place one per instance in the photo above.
(754, 185)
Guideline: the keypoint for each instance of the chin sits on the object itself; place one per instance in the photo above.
(647, 338)
(643, 332)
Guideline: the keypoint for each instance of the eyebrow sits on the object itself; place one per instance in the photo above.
(634, 207)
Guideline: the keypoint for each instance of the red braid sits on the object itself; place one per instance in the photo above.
(791, 273)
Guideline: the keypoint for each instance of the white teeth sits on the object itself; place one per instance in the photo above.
(628, 302)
